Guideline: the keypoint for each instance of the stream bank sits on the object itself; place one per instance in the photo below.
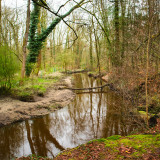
(133, 89)
(14, 110)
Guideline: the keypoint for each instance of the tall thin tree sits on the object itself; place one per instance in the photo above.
(24, 47)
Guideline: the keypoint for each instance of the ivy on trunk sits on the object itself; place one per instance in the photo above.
(36, 40)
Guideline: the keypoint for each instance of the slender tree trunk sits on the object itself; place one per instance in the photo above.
(54, 43)
(147, 68)
(25, 41)
(123, 25)
(97, 51)
(0, 22)
(39, 58)
(51, 52)
(44, 26)
(90, 48)
(148, 51)
(117, 46)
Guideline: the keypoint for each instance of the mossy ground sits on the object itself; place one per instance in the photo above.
(117, 147)
(32, 86)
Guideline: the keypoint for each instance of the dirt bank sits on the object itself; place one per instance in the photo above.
(13, 110)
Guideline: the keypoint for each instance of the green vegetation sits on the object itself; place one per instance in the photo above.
(35, 86)
(116, 147)
(140, 143)
(8, 68)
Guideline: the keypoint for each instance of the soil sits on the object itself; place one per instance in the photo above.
(13, 110)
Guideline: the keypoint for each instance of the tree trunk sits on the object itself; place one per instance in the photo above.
(25, 41)
(116, 23)
(123, 25)
(0, 23)
(147, 68)
(90, 48)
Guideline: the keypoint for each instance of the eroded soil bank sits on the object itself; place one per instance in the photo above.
(13, 110)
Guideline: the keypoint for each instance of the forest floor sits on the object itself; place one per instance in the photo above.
(16, 108)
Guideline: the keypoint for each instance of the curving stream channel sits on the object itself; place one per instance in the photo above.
(89, 116)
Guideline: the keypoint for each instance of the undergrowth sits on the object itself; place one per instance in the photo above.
(32, 86)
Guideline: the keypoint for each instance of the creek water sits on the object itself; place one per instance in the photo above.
(90, 116)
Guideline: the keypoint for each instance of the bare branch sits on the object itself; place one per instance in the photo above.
(65, 15)
(62, 6)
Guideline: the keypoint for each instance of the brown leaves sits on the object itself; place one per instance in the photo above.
(90, 151)
(126, 150)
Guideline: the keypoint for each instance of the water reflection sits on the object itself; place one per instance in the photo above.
(88, 117)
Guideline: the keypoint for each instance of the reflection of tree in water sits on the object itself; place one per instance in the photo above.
(78, 81)
(118, 119)
(11, 138)
(84, 115)
(39, 137)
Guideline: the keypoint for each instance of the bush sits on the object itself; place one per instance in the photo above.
(8, 68)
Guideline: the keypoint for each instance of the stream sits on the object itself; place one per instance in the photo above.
(90, 116)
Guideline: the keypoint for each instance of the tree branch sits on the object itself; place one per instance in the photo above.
(45, 33)
(86, 88)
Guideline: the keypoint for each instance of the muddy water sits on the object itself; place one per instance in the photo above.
(89, 116)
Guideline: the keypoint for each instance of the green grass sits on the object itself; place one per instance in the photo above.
(32, 86)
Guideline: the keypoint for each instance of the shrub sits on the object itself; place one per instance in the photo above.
(8, 68)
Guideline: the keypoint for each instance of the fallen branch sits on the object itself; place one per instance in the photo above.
(86, 88)
(76, 71)
(90, 92)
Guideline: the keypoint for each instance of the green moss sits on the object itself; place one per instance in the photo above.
(140, 143)
(118, 146)
(115, 137)
(111, 144)
(99, 140)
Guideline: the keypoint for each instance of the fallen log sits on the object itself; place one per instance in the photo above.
(91, 92)
(76, 71)
(86, 88)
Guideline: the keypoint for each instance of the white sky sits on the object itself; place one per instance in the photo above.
(54, 4)
(14, 3)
